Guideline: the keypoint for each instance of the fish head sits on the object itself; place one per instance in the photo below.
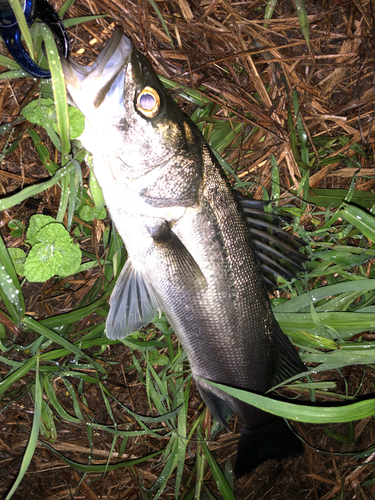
(125, 103)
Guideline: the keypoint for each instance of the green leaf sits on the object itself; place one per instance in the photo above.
(76, 122)
(18, 257)
(72, 259)
(88, 213)
(42, 111)
(36, 223)
(270, 8)
(43, 262)
(9, 63)
(158, 359)
(16, 227)
(30, 191)
(103, 467)
(55, 253)
(346, 323)
(297, 303)
(9, 292)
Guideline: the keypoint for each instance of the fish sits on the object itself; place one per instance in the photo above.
(195, 250)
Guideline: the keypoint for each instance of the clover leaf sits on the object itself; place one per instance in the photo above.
(36, 223)
(53, 251)
(18, 257)
(42, 112)
(88, 213)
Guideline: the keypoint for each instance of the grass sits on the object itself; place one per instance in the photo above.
(321, 312)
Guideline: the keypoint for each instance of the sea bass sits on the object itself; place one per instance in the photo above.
(190, 252)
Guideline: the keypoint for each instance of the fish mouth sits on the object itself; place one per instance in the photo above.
(96, 80)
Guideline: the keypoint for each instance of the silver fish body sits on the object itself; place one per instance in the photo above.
(190, 253)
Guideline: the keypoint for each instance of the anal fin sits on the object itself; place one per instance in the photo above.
(219, 408)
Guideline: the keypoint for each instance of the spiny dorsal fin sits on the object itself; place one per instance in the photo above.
(133, 303)
(278, 251)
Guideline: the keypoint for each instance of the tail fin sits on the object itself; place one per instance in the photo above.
(275, 440)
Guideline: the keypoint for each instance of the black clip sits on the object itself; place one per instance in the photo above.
(11, 34)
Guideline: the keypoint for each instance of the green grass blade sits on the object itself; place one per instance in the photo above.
(9, 63)
(301, 412)
(352, 356)
(13, 377)
(167, 471)
(104, 467)
(303, 21)
(58, 87)
(21, 20)
(360, 219)
(28, 192)
(18, 73)
(191, 95)
(69, 23)
(55, 337)
(28, 455)
(270, 8)
(275, 180)
(65, 7)
(158, 13)
(64, 198)
(334, 197)
(181, 401)
(297, 303)
(218, 476)
(347, 324)
(53, 400)
(10, 289)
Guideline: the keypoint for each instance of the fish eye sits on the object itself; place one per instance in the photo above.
(148, 102)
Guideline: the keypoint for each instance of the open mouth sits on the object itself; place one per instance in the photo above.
(100, 76)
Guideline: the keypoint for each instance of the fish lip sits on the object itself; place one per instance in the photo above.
(110, 62)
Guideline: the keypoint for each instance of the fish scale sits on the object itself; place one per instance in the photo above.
(190, 252)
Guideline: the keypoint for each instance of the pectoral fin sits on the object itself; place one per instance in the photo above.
(133, 303)
(183, 271)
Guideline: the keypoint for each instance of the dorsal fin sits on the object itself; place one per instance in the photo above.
(278, 251)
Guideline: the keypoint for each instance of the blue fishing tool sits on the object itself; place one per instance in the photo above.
(11, 34)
